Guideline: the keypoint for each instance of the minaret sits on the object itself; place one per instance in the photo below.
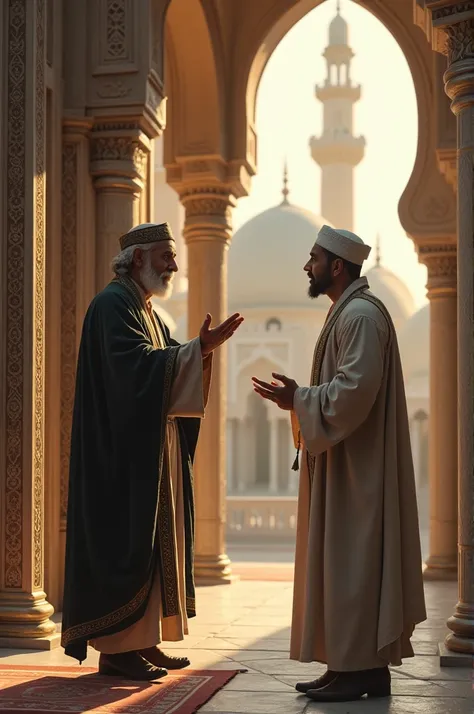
(337, 150)
(285, 191)
(378, 251)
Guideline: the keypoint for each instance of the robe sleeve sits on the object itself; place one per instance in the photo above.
(191, 383)
(329, 413)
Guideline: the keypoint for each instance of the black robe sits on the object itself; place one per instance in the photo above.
(119, 522)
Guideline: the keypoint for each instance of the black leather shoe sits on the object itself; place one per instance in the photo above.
(350, 686)
(327, 677)
(129, 665)
(160, 659)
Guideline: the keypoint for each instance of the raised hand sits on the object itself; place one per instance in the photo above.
(216, 336)
(283, 396)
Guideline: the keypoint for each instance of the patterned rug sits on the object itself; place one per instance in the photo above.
(78, 690)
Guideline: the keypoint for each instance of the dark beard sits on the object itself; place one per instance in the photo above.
(321, 286)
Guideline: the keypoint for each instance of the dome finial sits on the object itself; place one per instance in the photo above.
(377, 251)
(338, 7)
(285, 190)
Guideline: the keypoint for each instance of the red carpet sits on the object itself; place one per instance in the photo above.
(74, 690)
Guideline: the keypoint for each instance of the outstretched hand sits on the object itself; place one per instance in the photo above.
(283, 396)
(213, 337)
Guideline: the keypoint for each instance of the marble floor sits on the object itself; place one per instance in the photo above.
(246, 625)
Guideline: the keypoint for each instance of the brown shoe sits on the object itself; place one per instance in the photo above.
(350, 686)
(129, 665)
(327, 677)
(160, 659)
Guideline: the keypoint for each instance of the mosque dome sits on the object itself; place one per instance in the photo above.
(338, 30)
(414, 343)
(391, 290)
(267, 256)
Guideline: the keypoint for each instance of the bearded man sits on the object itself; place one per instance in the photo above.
(358, 590)
(130, 526)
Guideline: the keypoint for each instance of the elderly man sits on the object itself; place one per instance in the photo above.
(358, 580)
(130, 529)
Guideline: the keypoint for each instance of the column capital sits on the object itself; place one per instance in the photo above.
(438, 18)
(208, 213)
(119, 155)
(208, 187)
(441, 262)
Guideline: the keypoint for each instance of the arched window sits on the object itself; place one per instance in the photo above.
(273, 324)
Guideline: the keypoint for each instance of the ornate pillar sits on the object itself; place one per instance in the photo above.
(459, 80)
(208, 188)
(120, 167)
(207, 232)
(450, 26)
(24, 610)
(441, 263)
(78, 287)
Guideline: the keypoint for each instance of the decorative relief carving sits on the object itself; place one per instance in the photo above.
(120, 148)
(154, 99)
(460, 41)
(113, 90)
(443, 12)
(116, 29)
(436, 209)
(441, 261)
(68, 310)
(117, 126)
(208, 202)
(15, 228)
(40, 288)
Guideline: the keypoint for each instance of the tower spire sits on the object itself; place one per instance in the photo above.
(285, 190)
(337, 150)
(377, 251)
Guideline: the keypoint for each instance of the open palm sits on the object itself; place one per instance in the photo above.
(213, 337)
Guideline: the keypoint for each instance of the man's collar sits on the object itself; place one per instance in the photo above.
(359, 284)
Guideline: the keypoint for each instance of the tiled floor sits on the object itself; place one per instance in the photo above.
(247, 625)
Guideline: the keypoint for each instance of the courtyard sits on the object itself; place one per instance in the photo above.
(246, 626)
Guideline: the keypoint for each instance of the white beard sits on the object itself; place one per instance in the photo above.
(156, 283)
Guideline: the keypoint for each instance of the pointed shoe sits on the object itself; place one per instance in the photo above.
(351, 686)
(160, 659)
(130, 665)
(322, 681)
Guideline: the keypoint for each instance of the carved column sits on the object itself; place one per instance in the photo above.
(24, 610)
(450, 27)
(441, 263)
(459, 79)
(78, 287)
(207, 232)
(120, 165)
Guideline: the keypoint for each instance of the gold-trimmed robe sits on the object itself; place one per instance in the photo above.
(189, 395)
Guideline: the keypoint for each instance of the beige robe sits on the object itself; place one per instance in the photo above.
(188, 398)
(358, 573)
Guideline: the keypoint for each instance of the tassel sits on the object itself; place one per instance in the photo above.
(296, 462)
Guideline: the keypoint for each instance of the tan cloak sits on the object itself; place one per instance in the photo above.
(188, 398)
(358, 572)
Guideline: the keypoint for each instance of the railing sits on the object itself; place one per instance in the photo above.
(261, 518)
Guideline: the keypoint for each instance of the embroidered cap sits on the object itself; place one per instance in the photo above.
(146, 233)
(344, 244)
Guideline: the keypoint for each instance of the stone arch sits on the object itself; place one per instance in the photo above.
(194, 81)
(427, 206)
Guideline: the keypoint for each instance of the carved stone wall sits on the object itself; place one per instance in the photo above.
(18, 349)
(22, 468)
(68, 309)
